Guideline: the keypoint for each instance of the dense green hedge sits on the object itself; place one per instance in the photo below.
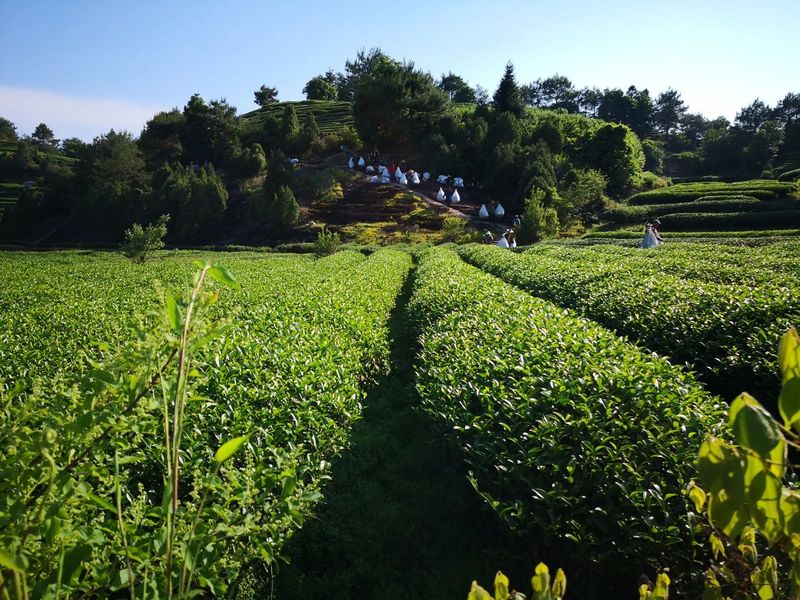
(763, 189)
(793, 175)
(626, 234)
(640, 213)
(729, 333)
(575, 437)
(306, 336)
(712, 220)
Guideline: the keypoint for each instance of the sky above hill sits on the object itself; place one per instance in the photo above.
(87, 66)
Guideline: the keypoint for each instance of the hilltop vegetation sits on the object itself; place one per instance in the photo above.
(558, 153)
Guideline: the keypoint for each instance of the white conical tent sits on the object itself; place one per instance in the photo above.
(483, 213)
(440, 195)
(502, 242)
(415, 179)
(386, 179)
(442, 178)
(499, 211)
(455, 197)
(374, 179)
(361, 161)
(458, 182)
(398, 173)
(403, 180)
(370, 169)
(350, 163)
(426, 176)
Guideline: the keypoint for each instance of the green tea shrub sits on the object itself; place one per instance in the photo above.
(574, 436)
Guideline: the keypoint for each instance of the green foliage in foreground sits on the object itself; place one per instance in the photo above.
(744, 492)
(726, 332)
(84, 496)
(574, 436)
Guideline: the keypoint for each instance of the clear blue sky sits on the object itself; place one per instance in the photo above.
(86, 66)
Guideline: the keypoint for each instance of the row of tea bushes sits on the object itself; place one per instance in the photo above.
(728, 333)
(642, 212)
(574, 436)
(287, 371)
(734, 220)
(762, 189)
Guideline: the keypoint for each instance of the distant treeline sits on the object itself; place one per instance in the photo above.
(569, 149)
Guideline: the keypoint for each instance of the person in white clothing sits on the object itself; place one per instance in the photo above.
(651, 239)
(503, 241)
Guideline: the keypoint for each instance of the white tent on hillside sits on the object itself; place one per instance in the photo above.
(483, 213)
(398, 173)
(374, 179)
(440, 195)
(350, 163)
(403, 180)
(415, 178)
(442, 178)
(426, 176)
(499, 211)
(458, 182)
(383, 170)
(385, 180)
(370, 169)
(361, 161)
(455, 197)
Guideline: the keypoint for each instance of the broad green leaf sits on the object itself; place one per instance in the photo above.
(223, 276)
(754, 428)
(789, 402)
(541, 582)
(764, 499)
(173, 313)
(101, 502)
(711, 587)
(711, 459)
(9, 562)
(661, 591)
(229, 448)
(789, 354)
(698, 496)
(500, 586)
(790, 510)
(476, 592)
(199, 263)
(717, 546)
(727, 503)
(559, 585)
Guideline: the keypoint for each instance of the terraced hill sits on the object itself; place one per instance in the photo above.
(331, 116)
(709, 209)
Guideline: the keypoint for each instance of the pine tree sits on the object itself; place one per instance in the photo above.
(286, 212)
(290, 127)
(508, 97)
(310, 133)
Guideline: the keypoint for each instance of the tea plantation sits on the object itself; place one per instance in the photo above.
(241, 424)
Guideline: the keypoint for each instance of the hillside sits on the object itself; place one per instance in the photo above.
(331, 116)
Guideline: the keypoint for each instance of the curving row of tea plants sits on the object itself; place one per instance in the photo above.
(100, 490)
(727, 332)
(573, 435)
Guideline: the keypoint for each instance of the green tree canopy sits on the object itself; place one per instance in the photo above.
(210, 132)
(8, 131)
(160, 140)
(44, 137)
(507, 97)
(266, 95)
(456, 88)
(668, 111)
(320, 88)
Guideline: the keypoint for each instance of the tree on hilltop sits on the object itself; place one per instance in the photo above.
(508, 97)
(456, 88)
(8, 131)
(669, 110)
(321, 88)
(266, 95)
(290, 125)
(44, 137)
